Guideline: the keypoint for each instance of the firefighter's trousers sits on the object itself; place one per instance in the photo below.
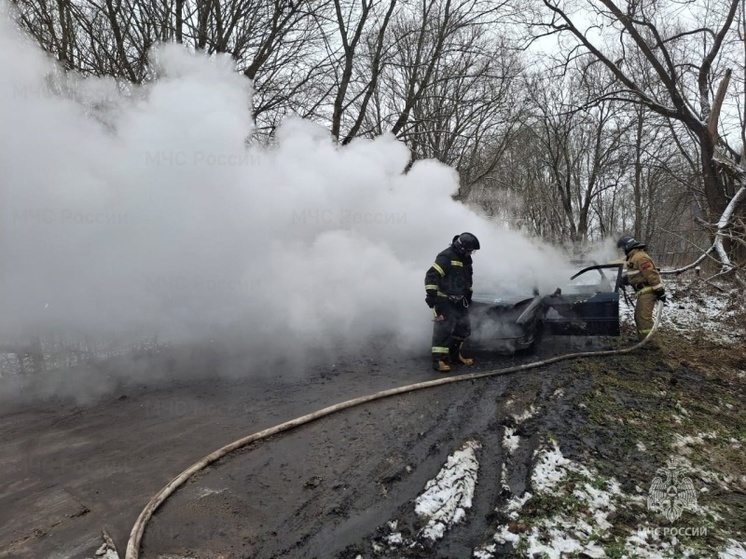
(449, 334)
(644, 312)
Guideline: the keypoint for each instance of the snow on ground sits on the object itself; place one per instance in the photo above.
(691, 310)
(526, 414)
(519, 412)
(447, 497)
(567, 531)
(511, 441)
(734, 550)
(683, 446)
(444, 501)
(107, 549)
(582, 505)
(105, 552)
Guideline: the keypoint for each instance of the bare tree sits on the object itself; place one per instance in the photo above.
(277, 44)
(580, 152)
(362, 32)
(683, 53)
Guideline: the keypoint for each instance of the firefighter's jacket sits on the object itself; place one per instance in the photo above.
(450, 275)
(641, 271)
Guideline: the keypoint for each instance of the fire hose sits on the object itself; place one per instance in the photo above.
(138, 530)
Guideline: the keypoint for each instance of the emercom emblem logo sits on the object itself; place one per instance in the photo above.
(671, 492)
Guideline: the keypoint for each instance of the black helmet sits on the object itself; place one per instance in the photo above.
(465, 242)
(628, 242)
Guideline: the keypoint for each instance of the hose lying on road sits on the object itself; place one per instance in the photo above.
(133, 545)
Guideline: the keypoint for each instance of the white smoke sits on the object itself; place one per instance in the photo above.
(146, 212)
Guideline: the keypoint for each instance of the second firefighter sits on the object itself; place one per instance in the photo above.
(643, 276)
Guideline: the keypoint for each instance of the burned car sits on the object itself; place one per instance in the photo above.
(582, 308)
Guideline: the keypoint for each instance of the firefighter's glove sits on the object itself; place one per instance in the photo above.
(660, 294)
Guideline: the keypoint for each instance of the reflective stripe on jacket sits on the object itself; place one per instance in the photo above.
(450, 275)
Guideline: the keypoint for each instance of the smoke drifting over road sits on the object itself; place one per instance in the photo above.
(146, 212)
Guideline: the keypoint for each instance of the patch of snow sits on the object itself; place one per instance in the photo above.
(447, 497)
(599, 501)
(504, 535)
(395, 539)
(526, 414)
(681, 442)
(504, 477)
(108, 549)
(682, 409)
(105, 552)
(550, 469)
(515, 504)
(560, 544)
(511, 441)
(485, 552)
(648, 545)
(735, 550)
(682, 445)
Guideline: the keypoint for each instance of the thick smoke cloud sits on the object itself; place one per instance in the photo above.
(147, 212)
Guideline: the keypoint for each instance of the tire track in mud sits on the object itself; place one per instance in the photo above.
(546, 410)
(505, 473)
(370, 456)
(329, 490)
(473, 418)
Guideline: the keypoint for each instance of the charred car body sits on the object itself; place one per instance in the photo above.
(589, 308)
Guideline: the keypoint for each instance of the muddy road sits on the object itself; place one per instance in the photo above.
(333, 488)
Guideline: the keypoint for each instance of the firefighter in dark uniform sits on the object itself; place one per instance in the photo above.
(448, 289)
(643, 276)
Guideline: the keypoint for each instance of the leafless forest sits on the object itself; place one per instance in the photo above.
(572, 121)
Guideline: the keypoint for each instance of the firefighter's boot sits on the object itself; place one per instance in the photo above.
(442, 366)
(456, 355)
(468, 361)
